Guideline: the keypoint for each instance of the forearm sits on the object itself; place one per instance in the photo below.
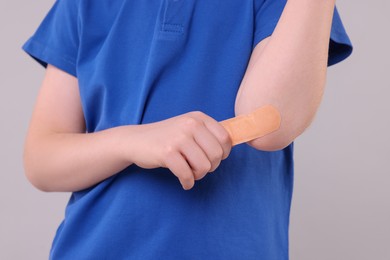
(71, 162)
(290, 72)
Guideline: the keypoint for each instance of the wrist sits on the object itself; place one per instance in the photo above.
(124, 142)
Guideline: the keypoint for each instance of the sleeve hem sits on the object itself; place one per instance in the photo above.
(44, 56)
(264, 32)
(340, 47)
(338, 51)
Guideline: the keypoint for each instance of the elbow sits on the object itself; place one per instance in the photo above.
(272, 142)
(37, 182)
(281, 138)
(33, 173)
(293, 123)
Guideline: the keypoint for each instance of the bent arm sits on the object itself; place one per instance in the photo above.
(288, 70)
(58, 154)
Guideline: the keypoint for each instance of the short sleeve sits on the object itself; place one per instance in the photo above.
(268, 13)
(56, 41)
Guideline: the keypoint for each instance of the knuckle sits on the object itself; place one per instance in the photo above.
(170, 150)
(196, 113)
(169, 153)
(190, 122)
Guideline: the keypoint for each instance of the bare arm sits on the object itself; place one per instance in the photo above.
(57, 148)
(60, 156)
(288, 70)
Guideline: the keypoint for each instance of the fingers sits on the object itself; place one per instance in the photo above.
(218, 131)
(179, 167)
(197, 145)
(197, 159)
(210, 147)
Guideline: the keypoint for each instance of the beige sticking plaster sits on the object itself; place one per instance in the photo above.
(259, 123)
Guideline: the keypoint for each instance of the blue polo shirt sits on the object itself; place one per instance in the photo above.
(143, 61)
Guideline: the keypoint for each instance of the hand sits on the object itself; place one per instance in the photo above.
(190, 145)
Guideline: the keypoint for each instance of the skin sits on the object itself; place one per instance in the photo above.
(60, 156)
(286, 70)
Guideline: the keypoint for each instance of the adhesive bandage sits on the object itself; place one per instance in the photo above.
(259, 123)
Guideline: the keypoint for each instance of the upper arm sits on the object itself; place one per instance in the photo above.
(259, 48)
(256, 53)
(58, 106)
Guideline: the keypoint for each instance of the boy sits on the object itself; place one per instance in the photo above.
(131, 102)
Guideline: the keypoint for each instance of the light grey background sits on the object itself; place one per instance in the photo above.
(341, 202)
